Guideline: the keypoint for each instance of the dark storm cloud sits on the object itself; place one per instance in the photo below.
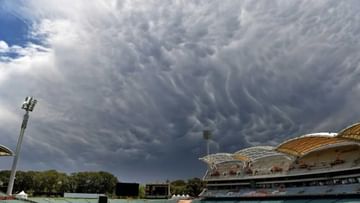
(128, 86)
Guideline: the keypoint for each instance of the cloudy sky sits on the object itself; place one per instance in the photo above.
(128, 86)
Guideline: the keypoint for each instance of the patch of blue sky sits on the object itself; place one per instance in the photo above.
(14, 30)
(8, 56)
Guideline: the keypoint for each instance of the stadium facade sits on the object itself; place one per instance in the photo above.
(4, 151)
(318, 164)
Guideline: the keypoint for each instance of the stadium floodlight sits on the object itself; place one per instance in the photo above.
(28, 106)
(207, 134)
(207, 137)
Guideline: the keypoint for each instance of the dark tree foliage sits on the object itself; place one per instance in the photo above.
(54, 182)
(178, 187)
(93, 182)
(192, 187)
(4, 179)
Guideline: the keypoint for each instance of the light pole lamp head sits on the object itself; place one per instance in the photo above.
(29, 104)
(207, 134)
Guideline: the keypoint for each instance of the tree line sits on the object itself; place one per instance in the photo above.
(192, 187)
(52, 182)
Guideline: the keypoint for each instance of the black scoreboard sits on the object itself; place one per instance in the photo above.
(127, 189)
(157, 191)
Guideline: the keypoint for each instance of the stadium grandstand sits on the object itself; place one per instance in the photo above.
(315, 153)
(310, 151)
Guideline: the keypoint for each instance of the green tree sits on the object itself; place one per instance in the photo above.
(107, 182)
(194, 186)
(50, 181)
(142, 191)
(4, 180)
(93, 182)
(178, 187)
(23, 181)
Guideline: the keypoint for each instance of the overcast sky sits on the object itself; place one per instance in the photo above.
(128, 86)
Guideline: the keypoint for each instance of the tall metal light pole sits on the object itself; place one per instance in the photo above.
(28, 106)
(207, 137)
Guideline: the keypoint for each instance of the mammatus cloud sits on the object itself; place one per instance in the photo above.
(128, 86)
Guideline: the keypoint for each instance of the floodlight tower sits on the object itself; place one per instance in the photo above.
(207, 137)
(28, 106)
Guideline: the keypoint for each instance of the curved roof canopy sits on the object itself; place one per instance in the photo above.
(4, 151)
(302, 145)
(255, 153)
(214, 159)
(351, 132)
(298, 146)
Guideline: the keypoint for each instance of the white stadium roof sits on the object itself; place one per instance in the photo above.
(214, 159)
(295, 147)
(4, 151)
(255, 153)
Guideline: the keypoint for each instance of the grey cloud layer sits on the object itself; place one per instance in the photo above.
(131, 84)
